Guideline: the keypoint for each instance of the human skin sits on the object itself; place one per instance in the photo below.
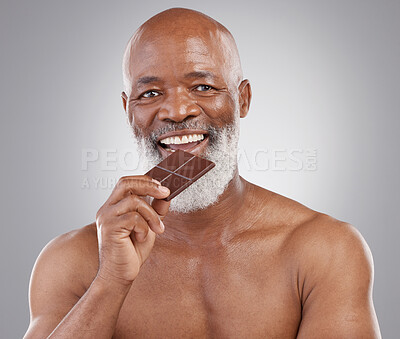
(253, 265)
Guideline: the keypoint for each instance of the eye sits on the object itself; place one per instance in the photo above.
(150, 94)
(203, 88)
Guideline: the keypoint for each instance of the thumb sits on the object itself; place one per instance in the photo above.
(161, 207)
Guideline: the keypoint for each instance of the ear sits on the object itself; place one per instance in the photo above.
(244, 97)
(124, 100)
(124, 103)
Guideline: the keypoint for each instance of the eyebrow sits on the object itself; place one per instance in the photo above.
(197, 75)
(200, 74)
(146, 80)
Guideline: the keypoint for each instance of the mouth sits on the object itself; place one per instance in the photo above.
(193, 141)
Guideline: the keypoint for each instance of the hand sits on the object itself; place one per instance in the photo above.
(127, 227)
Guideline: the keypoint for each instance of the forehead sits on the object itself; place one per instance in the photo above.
(176, 54)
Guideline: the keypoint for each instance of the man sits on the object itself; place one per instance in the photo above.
(226, 259)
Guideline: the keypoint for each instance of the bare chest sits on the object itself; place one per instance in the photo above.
(235, 296)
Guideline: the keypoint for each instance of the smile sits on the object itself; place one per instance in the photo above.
(182, 140)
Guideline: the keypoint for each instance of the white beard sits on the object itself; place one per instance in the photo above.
(222, 150)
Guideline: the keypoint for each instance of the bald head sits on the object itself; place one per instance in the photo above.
(183, 31)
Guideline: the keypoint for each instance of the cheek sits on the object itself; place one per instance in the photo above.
(142, 115)
(221, 107)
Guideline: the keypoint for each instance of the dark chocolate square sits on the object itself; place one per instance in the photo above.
(179, 171)
(176, 184)
(175, 160)
(194, 167)
(158, 173)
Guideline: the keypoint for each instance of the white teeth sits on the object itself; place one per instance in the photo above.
(184, 139)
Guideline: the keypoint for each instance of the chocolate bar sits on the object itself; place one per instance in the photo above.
(179, 170)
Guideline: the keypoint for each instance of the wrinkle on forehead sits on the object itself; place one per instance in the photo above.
(199, 32)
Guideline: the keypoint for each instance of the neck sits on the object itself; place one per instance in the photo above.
(215, 224)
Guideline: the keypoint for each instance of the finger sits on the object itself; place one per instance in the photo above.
(133, 203)
(137, 185)
(138, 226)
(144, 247)
(161, 207)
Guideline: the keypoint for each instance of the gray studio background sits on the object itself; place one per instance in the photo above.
(325, 78)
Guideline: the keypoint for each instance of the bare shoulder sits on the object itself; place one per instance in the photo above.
(308, 231)
(76, 242)
(323, 241)
(73, 239)
(280, 211)
(333, 269)
(314, 239)
(74, 254)
(65, 267)
(62, 273)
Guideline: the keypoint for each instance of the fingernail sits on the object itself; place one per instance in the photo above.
(156, 181)
(163, 189)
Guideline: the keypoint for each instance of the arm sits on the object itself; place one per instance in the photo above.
(54, 295)
(337, 285)
(62, 306)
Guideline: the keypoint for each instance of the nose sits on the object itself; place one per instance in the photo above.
(177, 106)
